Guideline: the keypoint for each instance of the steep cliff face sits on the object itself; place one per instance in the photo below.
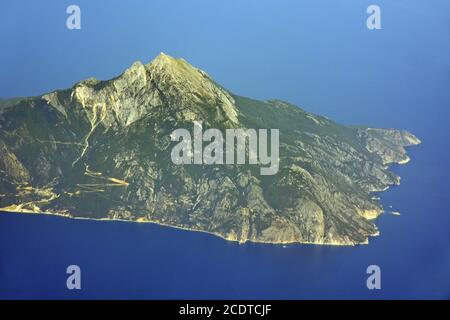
(101, 150)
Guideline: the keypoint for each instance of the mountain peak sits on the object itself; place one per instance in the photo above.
(165, 64)
(163, 58)
(185, 85)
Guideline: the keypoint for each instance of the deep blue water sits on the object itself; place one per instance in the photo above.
(131, 260)
(316, 54)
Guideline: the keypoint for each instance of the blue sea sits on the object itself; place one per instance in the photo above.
(316, 54)
(132, 260)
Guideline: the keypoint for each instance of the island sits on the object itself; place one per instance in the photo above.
(102, 150)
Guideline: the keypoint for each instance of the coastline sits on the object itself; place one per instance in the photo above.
(371, 214)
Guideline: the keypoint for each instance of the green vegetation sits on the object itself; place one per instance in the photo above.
(101, 150)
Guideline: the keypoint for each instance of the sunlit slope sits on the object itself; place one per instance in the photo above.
(101, 149)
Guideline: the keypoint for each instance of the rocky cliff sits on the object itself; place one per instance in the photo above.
(101, 150)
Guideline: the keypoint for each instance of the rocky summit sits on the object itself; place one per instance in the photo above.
(101, 150)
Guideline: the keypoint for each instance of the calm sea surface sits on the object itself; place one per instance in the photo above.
(131, 260)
